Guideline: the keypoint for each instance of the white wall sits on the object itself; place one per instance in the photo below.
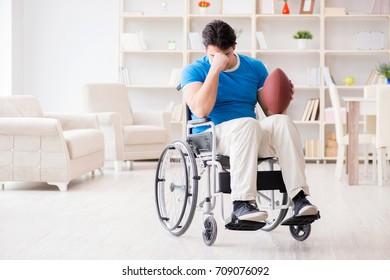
(5, 47)
(66, 44)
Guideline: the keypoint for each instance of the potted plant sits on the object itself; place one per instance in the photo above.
(203, 6)
(383, 70)
(303, 37)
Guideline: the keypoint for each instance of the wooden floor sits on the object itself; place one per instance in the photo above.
(114, 217)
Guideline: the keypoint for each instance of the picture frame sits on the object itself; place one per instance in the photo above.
(307, 6)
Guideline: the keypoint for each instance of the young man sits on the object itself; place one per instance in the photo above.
(225, 87)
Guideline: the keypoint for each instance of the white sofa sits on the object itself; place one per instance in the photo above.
(129, 135)
(53, 148)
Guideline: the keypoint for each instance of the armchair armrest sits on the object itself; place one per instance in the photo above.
(111, 125)
(74, 120)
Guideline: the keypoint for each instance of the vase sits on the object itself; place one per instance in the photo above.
(302, 44)
(203, 10)
(286, 9)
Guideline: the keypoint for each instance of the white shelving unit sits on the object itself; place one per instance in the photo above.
(334, 45)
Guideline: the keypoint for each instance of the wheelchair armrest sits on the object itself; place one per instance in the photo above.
(199, 121)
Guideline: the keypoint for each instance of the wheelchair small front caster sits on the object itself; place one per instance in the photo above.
(210, 231)
(300, 232)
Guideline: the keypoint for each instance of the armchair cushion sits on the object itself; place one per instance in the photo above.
(81, 142)
(143, 134)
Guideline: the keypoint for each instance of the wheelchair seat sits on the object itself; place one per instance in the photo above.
(266, 180)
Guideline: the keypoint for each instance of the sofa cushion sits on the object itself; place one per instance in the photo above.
(20, 106)
(82, 142)
(143, 134)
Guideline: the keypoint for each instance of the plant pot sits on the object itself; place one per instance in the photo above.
(302, 44)
(203, 10)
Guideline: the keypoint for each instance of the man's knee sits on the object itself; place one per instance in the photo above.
(251, 125)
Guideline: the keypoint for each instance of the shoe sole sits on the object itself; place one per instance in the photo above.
(254, 217)
(308, 211)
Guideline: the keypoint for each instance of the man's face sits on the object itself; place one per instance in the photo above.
(211, 51)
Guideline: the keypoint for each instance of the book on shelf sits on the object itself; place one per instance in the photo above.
(261, 40)
(328, 77)
(195, 41)
(175, 77)
(375, 79)
(312, 148)
(313, 75)
(331, 145)
(316, 110)
(124, 76)
(267, 7)
(335, 11)
(134, 41)
(311, 112)
(306, 112)
(372, 78)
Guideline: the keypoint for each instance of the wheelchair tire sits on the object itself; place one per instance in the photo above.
(300, 232)
(176, 187)
(210, 231)
(275, 214)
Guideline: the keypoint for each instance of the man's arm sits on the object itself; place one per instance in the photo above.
(201, 97)
(261, 102)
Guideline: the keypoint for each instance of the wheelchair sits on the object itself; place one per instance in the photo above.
(182, 165)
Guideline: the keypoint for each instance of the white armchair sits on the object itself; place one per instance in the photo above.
(53, 148)
(128, 135)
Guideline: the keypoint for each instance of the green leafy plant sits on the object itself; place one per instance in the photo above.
(383, 69)
(303, 34)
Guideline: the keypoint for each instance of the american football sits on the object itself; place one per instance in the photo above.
(277, 92)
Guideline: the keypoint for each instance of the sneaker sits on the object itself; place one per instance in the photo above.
(249, 212)
(302, 207)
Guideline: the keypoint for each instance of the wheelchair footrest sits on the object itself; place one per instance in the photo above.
(243, 225)
(301, 220)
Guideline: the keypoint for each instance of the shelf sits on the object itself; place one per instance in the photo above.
(357, 17)
(334, 45)
(150, 87)
(289, 17)
(153, 51)
(219, 16)
(355, 52)
(152, 17)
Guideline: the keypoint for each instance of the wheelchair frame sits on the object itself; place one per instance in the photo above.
(176, 187)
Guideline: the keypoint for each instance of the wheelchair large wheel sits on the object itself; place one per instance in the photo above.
(176, 187)
(276, 211)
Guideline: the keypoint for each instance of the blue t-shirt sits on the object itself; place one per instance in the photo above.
(237, 89)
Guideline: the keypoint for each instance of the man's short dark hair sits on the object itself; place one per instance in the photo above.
(219, 34)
